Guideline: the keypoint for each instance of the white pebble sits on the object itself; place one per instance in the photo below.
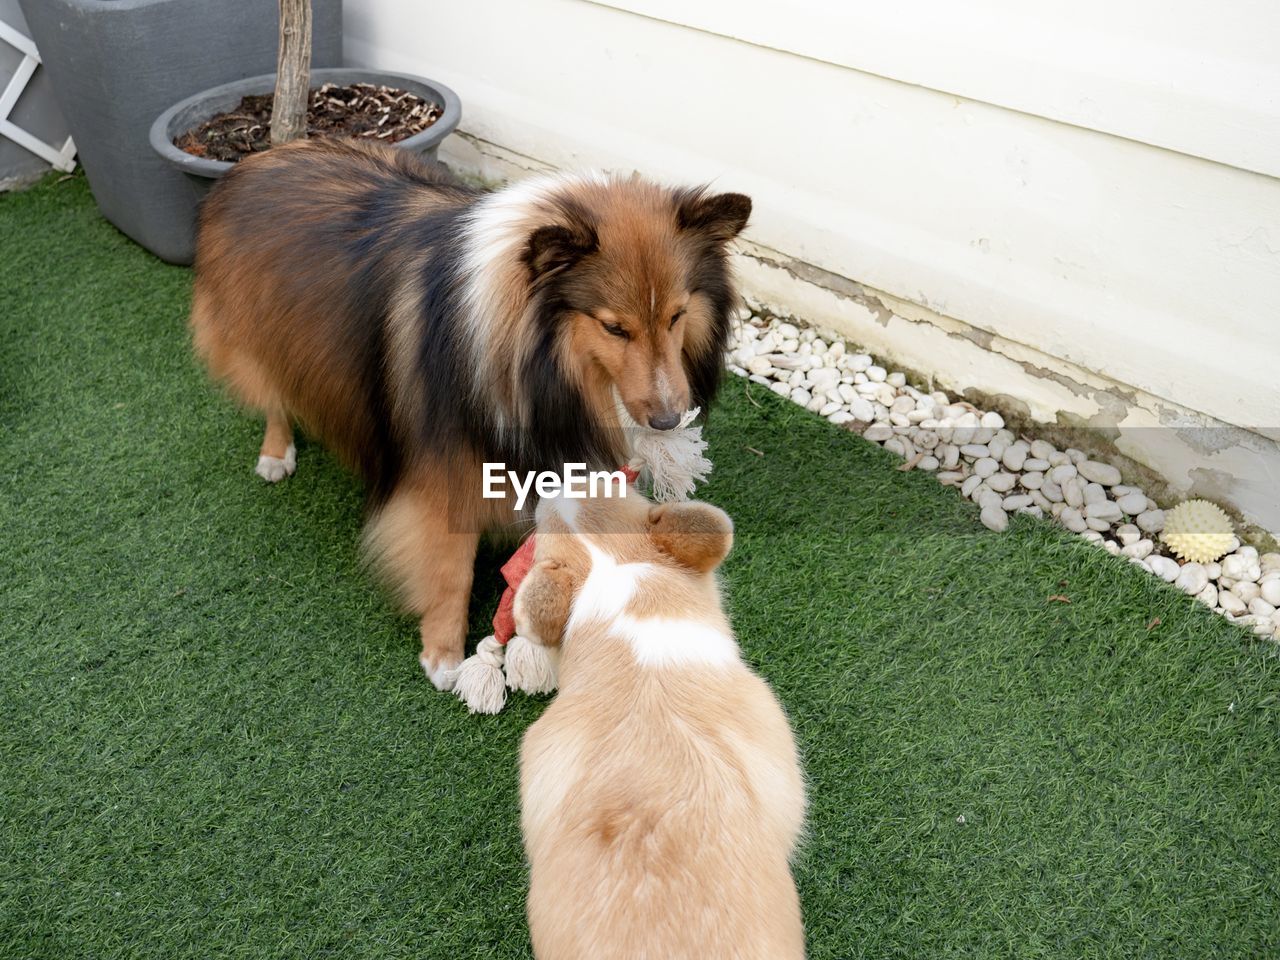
(1133, 504)
(1192, 578)
(1163, 567)
(1260, 608)
(828, 408)
(1208, 596)
(1051, 491)
(1229, 603)
(896, 445)
(896, 379)
(950, 477)
(993, 518)
(1246, 590)
(1138, 550)
(950, 455)
(985, 467)
(1151, 521)
(1016, 502)
(878, 432)
(877, 374)
(1061, 474)
(1127, 533)
(1073, 520)
(929, 463)
(1036, 464)
(1001, 482)
(1032, 481)
(862, 409)
(841, 417)
(1270, 592)
(801, 396)
(986, 498)
(1015, 457)
(1073, 492)
(1240, 566)
(1042, 449)
(1102, 510)
(1102, 473)
(970, 485)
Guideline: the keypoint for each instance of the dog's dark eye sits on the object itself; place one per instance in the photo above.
(676, 316)
(616, 330)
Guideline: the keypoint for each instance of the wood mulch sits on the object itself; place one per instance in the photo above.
(363, 111)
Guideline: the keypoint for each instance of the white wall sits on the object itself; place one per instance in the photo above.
(1095, 182)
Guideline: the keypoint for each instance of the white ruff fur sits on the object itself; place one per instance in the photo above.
(494, 236)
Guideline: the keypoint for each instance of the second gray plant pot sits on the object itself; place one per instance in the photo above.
(115, 64)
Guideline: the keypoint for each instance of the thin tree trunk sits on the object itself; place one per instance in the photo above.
(293, 73)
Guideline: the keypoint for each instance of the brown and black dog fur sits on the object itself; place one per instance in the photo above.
(420, 328)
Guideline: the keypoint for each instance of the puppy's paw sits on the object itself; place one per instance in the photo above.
(441, 671)
(275, 469)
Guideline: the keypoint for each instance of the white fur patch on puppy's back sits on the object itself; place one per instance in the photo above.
(607, 590)
(667, 642)
(655, 641)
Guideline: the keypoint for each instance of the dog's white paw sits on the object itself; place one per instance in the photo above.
(443, 673)
(275, 469)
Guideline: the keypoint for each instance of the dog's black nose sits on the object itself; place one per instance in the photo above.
(664, 421)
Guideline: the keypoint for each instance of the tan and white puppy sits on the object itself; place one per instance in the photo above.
(661, 796)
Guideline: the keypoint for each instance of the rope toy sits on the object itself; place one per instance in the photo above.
(672, 463)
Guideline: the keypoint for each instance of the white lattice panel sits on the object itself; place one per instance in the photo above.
(61, 157)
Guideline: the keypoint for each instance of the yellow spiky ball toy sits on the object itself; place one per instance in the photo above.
(1198, 531)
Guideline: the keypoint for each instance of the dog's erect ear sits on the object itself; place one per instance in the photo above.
(696, 535)
(556, 247)
(720, 216)
(542, 603)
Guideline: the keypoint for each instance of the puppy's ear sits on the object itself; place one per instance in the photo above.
(542, 603)
(696, 535)
(557, 247)
(720, 216)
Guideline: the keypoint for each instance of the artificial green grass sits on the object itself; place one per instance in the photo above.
(215, 739)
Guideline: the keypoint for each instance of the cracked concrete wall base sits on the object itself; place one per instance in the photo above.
(1173, 451)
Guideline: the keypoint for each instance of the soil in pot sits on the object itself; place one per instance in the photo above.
(362, 111)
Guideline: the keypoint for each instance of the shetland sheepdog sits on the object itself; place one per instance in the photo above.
(420, 328)
(661, 797)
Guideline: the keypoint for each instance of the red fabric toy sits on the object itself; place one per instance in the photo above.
(514, 571)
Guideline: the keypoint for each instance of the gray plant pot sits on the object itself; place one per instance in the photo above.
(115, 64)
(181, 117)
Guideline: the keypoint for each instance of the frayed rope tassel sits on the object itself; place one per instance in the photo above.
(479, 682)
(530, 666)
(673, 461)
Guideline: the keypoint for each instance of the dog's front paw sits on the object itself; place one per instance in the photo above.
(442, 671)
(275, 469)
